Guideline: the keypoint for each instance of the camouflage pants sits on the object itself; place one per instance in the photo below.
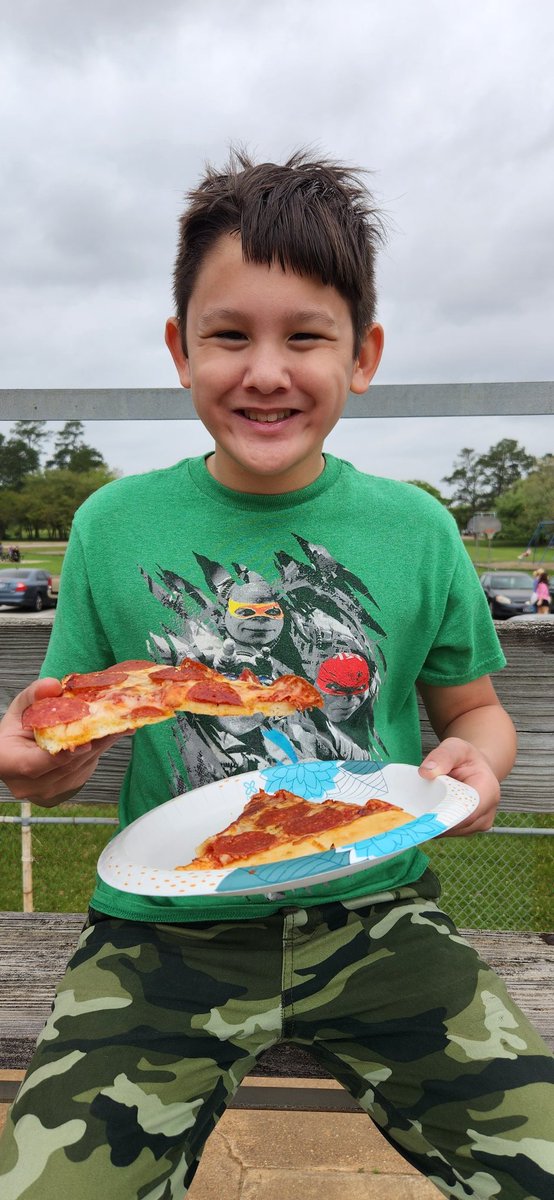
(154, 1026)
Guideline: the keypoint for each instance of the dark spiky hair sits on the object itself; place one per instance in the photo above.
(312, 216)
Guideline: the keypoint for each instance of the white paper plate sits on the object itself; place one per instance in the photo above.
(142, 859)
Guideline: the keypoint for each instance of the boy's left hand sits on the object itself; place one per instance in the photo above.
(463, 761)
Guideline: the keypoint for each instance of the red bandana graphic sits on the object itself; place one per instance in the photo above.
(345, 673)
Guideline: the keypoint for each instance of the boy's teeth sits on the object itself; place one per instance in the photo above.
(265, 417)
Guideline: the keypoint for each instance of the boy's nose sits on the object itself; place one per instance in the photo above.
(266, 371)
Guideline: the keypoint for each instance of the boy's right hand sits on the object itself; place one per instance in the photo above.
(33, 774)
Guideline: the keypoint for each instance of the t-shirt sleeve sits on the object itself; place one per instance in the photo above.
(466, 644)
(78, 641)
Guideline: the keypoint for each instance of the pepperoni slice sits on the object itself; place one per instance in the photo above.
(108, 677)
(190, 668)
(130, 664)
(173, 673)
(95, 680)
(213, 692)
(248, 676)
(187, 669)
(54, 710)
(149, 710)
(241, 845)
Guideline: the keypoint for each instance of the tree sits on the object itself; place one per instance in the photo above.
(529, 501)
(50, 498)
(478, 480)
(428, 487)
(502, 467)
(467, 481)
(10, 510)
(33, 433)
(17, 460)
(71, 453)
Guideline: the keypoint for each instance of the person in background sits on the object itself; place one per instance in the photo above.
(542, 592)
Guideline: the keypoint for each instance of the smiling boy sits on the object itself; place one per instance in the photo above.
(269, 550)
(270, 360)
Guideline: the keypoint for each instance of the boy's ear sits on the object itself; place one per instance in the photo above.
(368, 359)
(174, 344)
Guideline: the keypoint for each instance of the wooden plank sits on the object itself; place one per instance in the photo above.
(34, 948)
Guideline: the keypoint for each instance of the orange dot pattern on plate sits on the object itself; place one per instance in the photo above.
(205, 879)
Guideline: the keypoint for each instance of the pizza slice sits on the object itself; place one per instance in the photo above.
(135, 693)
(278, 826)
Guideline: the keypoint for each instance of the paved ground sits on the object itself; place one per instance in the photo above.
(17, 615)
(301, 1156)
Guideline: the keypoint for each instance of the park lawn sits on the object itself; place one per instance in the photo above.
(64, 858)
(489, 881)
(50, 558)
(485, 557)
(47, 559)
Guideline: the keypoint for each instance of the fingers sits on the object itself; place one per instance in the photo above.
(464, 762)
(444, 759)
(29, 772)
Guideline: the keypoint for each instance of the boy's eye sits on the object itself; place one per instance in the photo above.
(305, 337)
(229, 335)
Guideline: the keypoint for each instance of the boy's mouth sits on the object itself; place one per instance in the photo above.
(266, 418)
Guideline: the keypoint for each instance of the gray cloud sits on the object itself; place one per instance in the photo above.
(108, 115)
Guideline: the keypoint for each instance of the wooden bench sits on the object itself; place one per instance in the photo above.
(34, 947)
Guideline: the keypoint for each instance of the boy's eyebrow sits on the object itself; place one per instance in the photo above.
(293, 317)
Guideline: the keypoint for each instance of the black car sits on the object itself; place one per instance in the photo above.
(26, 587)
(508, 592)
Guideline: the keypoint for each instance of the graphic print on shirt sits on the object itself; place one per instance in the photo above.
(314, 619)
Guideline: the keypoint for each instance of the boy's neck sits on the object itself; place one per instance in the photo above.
(233, 476)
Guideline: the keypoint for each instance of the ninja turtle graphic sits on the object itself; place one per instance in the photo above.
(315, 619)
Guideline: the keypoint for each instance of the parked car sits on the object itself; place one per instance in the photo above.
(26, 587)
(508, 592)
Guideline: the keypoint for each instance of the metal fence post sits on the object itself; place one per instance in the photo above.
(27, 856)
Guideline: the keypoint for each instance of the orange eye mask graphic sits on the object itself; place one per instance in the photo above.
(243, 610)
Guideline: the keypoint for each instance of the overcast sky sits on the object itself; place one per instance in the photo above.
(109, 112)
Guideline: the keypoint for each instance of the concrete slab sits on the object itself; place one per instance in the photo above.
(345, 1142)
(290, 1185)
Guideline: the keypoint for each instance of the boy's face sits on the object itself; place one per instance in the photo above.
(270, 363)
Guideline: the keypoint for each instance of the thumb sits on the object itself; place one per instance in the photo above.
(38, 690)
(430, 768)
(444, 758)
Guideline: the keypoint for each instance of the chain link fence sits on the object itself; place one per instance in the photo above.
(498, 881)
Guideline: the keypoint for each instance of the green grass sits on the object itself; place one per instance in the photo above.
(64, 858)
(484, 556)
(50, 556)
(47, 559)
(498, 881)
(489, 881)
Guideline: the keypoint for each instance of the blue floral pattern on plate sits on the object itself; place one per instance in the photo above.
(316, 780)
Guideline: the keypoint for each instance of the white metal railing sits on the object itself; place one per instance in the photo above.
(525, 398)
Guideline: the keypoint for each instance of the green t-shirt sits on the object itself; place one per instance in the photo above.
(358, 583)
